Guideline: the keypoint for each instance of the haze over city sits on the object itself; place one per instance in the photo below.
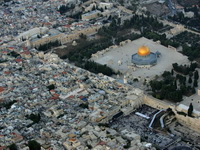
(99, 74)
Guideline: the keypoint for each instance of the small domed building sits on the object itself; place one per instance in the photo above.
(144, 58)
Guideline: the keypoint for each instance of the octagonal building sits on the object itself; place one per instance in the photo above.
(144, 57)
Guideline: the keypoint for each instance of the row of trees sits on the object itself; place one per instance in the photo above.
(162, 38)
(190, 44)
(84, 1)
(86, 48)
(97, 8)
(7, 0)
(65, 8)
(174, 86)
(97, 68)
(33, 145)
(83, 51)
(191, 23)
(189, 38)
(14, 54)
(49, 45)
(140, 22)
(3, 60)
(184, 69)
(161, 90)
(191, 51)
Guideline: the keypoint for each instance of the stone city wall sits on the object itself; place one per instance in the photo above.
(192, 123)
(76, 34)
(155, 103)
(64, 38)
(46, 40)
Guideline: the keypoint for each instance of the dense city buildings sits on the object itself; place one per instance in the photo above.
(48, 103)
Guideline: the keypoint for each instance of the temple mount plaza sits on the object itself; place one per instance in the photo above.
(141, 58)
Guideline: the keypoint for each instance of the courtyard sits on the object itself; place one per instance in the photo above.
(123, 55)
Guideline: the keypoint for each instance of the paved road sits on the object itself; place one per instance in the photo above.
(175, 25)
(171, 7)
(149, 1)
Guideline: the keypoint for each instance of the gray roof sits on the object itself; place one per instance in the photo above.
(150, 59)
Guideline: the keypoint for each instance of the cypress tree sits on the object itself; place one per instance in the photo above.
(190, 110)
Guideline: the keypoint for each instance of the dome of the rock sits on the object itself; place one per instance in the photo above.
(143, 51)
(144, 57)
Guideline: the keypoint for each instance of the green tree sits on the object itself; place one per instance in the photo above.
(83, 36)
(195, 84)
(175, 84)
(119, 21)
(193, 90)
(155, 85)
(190, 110)
(34, 145)
(175, 66)
(166, 74)
(13, 147)
(101, 9)
(51, 87)
(190, 74)
(128, 144)
(183, 89)
(34, 117)
(8, 105)
(94, 7)
(110, 17)
(84, 105)
(196, 75)
(193, 66)
(172, 72)
(190, 80)
(121, 2)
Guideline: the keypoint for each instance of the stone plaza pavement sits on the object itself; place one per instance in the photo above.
(123, 54)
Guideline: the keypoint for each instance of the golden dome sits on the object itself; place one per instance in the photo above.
(143, 51)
